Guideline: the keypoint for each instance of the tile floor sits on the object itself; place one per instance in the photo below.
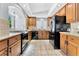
(41, 48)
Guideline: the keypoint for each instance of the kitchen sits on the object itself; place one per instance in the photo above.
(22, 23)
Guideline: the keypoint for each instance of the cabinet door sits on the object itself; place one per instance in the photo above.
(40, 34)
(63, 44)
(62, 12)
(3, 52)
(15, 49)
(3, 48)
(77, 12)
(72, 50)
(32, 21)
(47, 35)
(70, 13)
(44, 34)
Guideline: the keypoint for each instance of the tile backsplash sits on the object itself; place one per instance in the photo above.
(4, 27)
(75, 27)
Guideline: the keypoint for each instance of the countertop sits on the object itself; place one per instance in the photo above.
(71, 33)
(8, 36)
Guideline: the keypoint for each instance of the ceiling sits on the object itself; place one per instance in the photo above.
(41, 9)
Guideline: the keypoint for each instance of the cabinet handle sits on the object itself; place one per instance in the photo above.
(10, 50)
(66, 42)
(72, 39)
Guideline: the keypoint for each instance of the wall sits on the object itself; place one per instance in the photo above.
(4, 26)
(41, 23)
(4, 10)
(75, 27)
(18, 19)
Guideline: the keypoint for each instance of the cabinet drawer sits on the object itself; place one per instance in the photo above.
(3, 44)
(14, 39)
(72, 50)
(3, 52)
(15, 49)
(74, 39)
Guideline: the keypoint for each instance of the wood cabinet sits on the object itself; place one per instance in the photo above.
(40, 34)
(14, 48)
(10, 46)
(63, 43)
(3, 52)
(69, 44)
(3, 48)
(77, 12)
(71, 49)
(43, 34)
(30, 35)
(73, 45)
(31, 22)
(61, 12)
(49, 21)
(70, 13)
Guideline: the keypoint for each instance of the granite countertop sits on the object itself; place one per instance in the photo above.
(71, 33)
(8, 36)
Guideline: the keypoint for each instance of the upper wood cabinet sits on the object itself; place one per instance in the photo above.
(31, 21)
(49, 21)
(77, 12)
(61, 12)
(70, 13)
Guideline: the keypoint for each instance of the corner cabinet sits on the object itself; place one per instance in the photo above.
(61, 12)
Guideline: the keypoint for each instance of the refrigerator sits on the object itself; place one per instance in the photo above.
(60, 25)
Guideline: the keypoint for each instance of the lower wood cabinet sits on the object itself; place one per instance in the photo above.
(3, 48)
(72, 50)
(69, 44)
(63, 43)
(3, 52)
(40, 34)
(14, 50)
(43, 34)
(11, 46)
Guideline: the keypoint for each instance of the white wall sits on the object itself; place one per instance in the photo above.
(19, 19)
(20, 22)
(4, 26)
(41, 23)
(4, 10)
